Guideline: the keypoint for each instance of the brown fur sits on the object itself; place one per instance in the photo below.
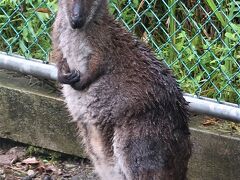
(128, 107)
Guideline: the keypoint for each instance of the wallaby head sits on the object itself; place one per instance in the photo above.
(81, 12)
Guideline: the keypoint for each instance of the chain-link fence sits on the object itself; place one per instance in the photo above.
(198, 39)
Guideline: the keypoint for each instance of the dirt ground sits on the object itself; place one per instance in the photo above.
(20, 162)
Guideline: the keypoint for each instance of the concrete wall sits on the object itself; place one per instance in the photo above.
(36, 116)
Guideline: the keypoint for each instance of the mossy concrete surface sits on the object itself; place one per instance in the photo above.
(33, 115)
(215, 155)
(36, 116)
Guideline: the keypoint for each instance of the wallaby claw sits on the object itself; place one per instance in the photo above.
(69, 78)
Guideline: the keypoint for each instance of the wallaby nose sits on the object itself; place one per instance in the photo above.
(77, 22)
(77, 16)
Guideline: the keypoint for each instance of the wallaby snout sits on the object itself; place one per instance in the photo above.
(77, 15)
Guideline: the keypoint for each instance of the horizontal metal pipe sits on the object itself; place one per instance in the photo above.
(32, 67)
(198, 105)
(223, 111)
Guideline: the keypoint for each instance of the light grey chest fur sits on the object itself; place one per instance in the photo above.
(76, 50)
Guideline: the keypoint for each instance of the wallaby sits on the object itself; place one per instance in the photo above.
(129, 109)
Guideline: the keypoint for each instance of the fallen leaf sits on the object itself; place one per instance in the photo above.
(51, 169)
(41, 169)
(20, 152)
(7, 159)
(31, 161)
(209, 121)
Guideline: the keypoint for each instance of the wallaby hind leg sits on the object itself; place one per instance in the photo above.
(98, 147)
(148, 158)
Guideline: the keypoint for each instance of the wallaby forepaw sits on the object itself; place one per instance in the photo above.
(69, 78)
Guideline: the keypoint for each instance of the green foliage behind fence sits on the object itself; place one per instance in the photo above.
(198, 39)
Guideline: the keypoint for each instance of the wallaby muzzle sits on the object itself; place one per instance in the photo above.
(77, 16)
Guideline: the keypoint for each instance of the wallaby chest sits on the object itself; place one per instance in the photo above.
(75, 48)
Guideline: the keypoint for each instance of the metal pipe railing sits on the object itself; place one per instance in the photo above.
(198, 105)
(223, 111)
(32, 67)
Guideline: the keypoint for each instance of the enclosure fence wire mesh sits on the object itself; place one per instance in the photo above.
(198, 39)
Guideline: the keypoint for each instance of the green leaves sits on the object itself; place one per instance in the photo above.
(215, 9)
(25, 27)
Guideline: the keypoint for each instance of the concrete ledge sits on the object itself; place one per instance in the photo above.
(34, 115)
(215, 156)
